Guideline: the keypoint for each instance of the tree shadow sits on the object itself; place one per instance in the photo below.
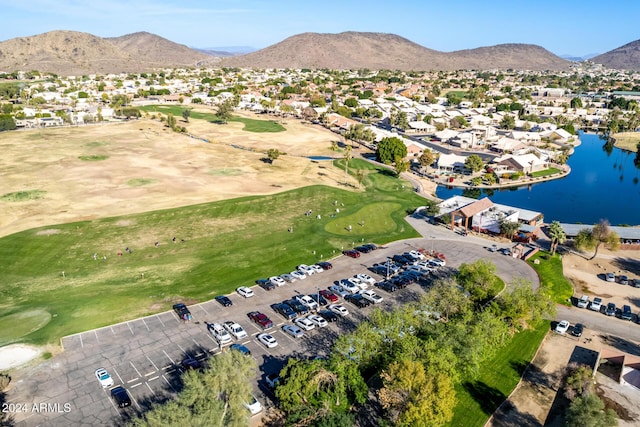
(508, 415)
(628, 264)
(266, 160)
(6, 418)
(489, 398)
(622, 344)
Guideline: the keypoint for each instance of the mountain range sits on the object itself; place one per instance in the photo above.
(73, 53)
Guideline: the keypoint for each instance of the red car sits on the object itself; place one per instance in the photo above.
(328, 295)
(260, 319)
(351, 253)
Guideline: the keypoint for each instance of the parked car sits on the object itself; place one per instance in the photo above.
(303, 268)
(325, 265)
(182, 311)
(190, 364)
(562, 327)
(366, 278)
(387, 286)
(104, 378)
(635, 283)
(611, 309)
(272, 380)
(610, 277)
(358, 300)
(245, 292)
(362, 285)
(277, 281)
(288, 277)
(316, 268)
(235, 329)
(298, 275)
(493, 248)
(219, 333)
(224, 301)
(371, 296)
(268, 340)
(293, 330)
(349, 286)
(363, 249)
(307, 301)
(339, 309)
(241, 348)
(577, 330)
(417, 255)
(254, 406)
(318, 299)
(297, 306)
(351, 253)
(267, 285)
(626, 313)
(583, 302)
(402, 260)
(328, 315)
(304, 323)
(339, 290)
(596, 304)
(437, 262)
(372, 246)
(121, 396)
(284, 310)
(623, 280)
(328, 295)
(260, 319)
(318, 320)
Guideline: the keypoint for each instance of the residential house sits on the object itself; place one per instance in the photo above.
(525, 163)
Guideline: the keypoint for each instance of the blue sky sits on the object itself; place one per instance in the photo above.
(575, 27)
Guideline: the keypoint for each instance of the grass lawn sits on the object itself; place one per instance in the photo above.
(226, 244)
(627, 140)
(552, 279)
(94, 158)
(250, 125)
(545, 172)
(21, 196)
(498, 376)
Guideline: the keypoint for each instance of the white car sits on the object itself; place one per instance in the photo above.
(235, 329)
(596, 304)
(104, 378)
(254, 406)
(277, 280)
(339, 309)
(359, 283)
(316, 268)
(339, 290)
(293, 330)
(420, 269)
(298, 275)
(583, 302)
(268, 340)
(318, 320)
(306, 300)
(562, 327)
(417, 255)
(371, 296)
(349, 286)
(245, 291)
(219, 333)
(366, 278)
(304, 268)
(304, 323)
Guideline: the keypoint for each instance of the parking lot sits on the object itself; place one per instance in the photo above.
(144, 354)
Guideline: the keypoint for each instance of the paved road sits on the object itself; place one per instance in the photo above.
(142, 354)
(596, 321)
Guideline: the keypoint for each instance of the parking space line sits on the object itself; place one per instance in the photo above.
(135, 379)
(169, 357)
(95, 331)
(130, 328)
(153, 378)
(135, 385)
(154, 365)
(205, 311)
(212, 339)
(136, 402)
(136, 369)
(150, 389)
(112, 331)
(160, 319)
(115, 408)
(145, 324)
(181, 349)
(169, 383)
(119, 377)
(81, 343)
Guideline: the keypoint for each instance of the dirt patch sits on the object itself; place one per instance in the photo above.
(15, 355)
(48, 232)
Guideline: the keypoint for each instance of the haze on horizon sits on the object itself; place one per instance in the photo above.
(570, 27)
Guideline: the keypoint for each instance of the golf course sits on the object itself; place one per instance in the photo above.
(64, 277)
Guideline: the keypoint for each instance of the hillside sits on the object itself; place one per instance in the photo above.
(71, 52)
(625, 57)
(353, 50)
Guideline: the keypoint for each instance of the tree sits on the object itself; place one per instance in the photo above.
(389, 148)
(426, 158)
(508, 122)
(474, 163)
(556, 234)
(360, 176)
(509, 228)
(399, 119)
(186, 114)
(414, 396)
(588, 410)
(7, 122)
(478, 278)
(224, 111)
(214, 397)
(401, 165)
(273, 154)
(171, 121)
(600, 233)
(523, 306)
(347, 158)
(334, 145)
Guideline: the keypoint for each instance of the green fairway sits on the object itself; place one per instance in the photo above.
(552, 279)
(21, 196)
(226, 244)
(250, 125)
(498, 376)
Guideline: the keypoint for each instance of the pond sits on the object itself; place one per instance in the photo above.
(602, 184)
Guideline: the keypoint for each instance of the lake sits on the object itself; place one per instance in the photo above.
(600, 185)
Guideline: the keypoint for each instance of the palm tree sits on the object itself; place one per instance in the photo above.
(347, 157)
(334, 145)
(557, 235)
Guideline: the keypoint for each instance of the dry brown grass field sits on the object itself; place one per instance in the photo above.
(81, 173)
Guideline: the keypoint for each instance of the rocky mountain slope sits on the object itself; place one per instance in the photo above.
(625, 57)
